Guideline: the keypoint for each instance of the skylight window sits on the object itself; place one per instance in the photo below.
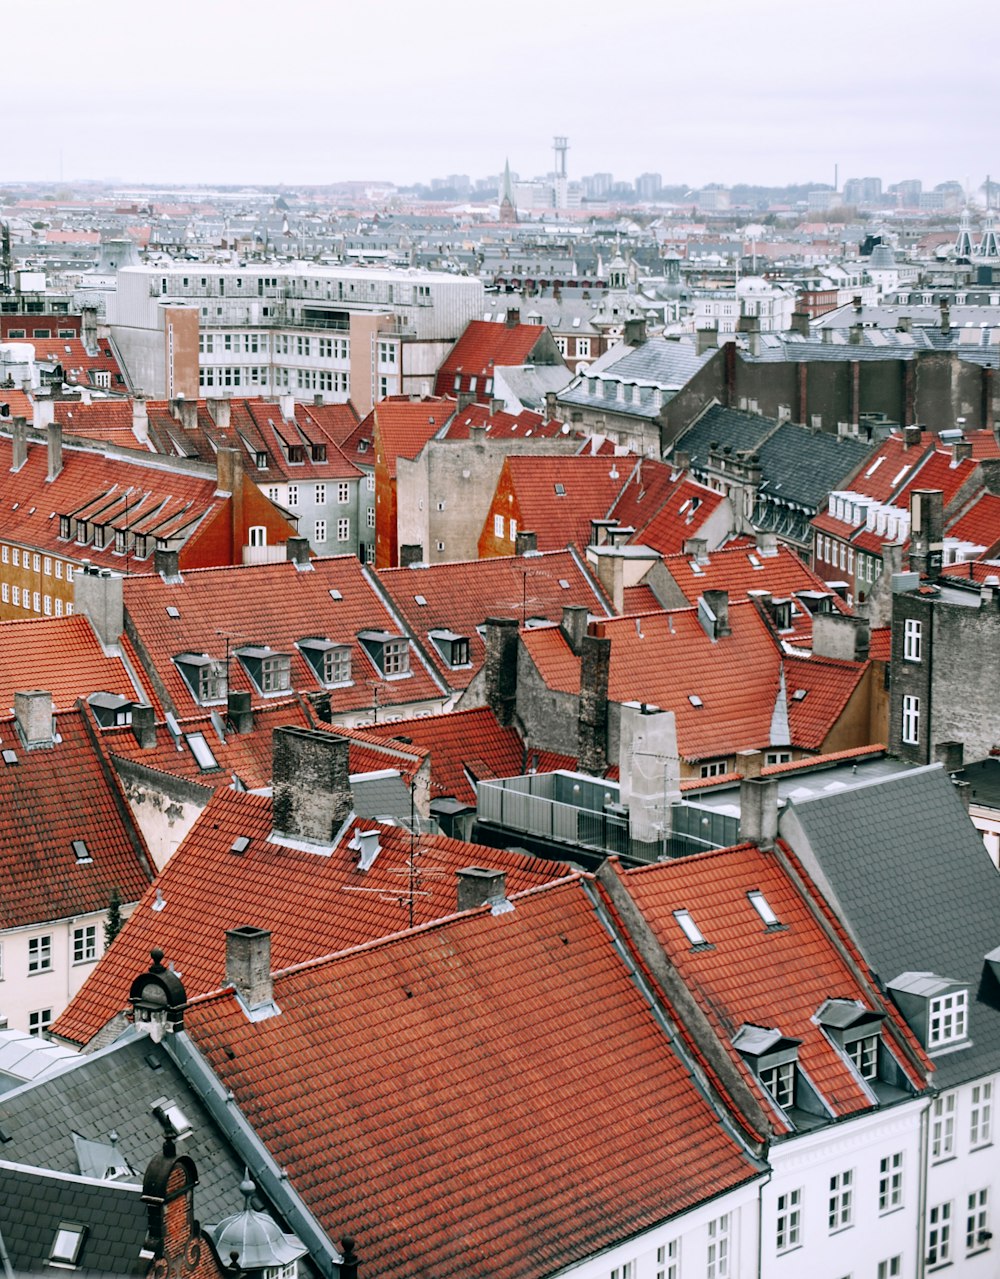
(9, 757)
(67, 1245)
(173, 612)
(564, 584)
(689, 928)
(240, 845)
(82, 852)
(560, 490)
(421, 600)
(335, 594)
(874, 466)
(761, 905)
(896, 478)
(695, 700)
(173, 1120)
(200, 749)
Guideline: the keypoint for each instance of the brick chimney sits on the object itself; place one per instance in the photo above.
(33, 712)
(717, 626)
(500, 668)
(166, 563)
(411, 553)
(297, 551)
(912, 436)
(838, 635)
(926, 531)
(144, 725)
(480, 884)
(229, 472)
(525, 541)
(311, 781)
(592, 716)
(248, 967)
(513, 317)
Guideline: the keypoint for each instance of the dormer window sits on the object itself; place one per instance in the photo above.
(453, 648)
(319, 452)
(111, 710)
(330, 662)
(774, 1059)
(937, 1009)
(270, 671)
(260, 461)
(296, 453)
(204, 676)
(389, 652)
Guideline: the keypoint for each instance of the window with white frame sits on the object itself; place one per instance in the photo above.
(319, 531)
(343, 530)
(863, 1053)
(840, 1206)
(513, 530)
(668, 1257)
(943, 1126)
(788, 1223)
(40, 953)
(371, 516)
(627, 1271)
(293, 495)
(39, 1020)
(913, 637)
(320, 494)
(891, 1268)
(5, 592)
(257, 535)
(396, 657)
(498, 526)
(717, 1259)
(939, 1235)
(780, 1083)
(714, 768)
(980, 1118)
(583, 347)
(85, 944)
(977, 1221)
(911, 720)
(343, 493)
(948, 1017)
(890, 1182)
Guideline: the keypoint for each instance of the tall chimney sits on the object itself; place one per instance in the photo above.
(759, 811)
(480, 884)
(19, 443)
(229, 471)
(53, 438)
(525, 541)
(945, 316)
(248, 966)
(500, 668)
(297, 551)
(592, 716)
(220, 412)
(98, 593)
(926, 531)
(144, 725)
(718, 604)
(287, 405)
(312, 788)
(187, 411)
(140, 418)
(33, 711)
(44, 413)
(239, 711)
(575, 618)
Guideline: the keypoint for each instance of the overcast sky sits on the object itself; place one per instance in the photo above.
(312, 91)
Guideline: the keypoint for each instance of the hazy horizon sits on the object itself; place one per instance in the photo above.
(234, 92)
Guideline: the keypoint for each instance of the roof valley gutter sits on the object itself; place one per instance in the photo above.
(695, 1072)
(238, 1130)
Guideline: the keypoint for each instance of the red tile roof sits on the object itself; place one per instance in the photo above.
(795, 968)
(684, 511)
(49, 798)
(78, 365)
(318, 910)
(666, 659)
(460, 596)
(63, 656)
(501, 426)
(482, 347)
(273, 605)
(479, 1165)
(403, 426)
(979, 523)
(589, 487)
(109, 420)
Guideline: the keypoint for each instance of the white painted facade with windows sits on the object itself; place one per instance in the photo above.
(963, 1181)
(717, 1240)
(44, 965)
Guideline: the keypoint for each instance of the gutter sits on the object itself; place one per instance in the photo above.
(237, 1129)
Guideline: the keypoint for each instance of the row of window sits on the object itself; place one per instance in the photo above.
(498, 526)
(43, 564)
(14, 334)
(582, 347)
(33, 601)
(718, 1260)
(943, 1121)
(296, 491)
(834, 552)
(940, 1219)
(40, 949)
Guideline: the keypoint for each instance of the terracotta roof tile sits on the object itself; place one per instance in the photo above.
(207, 888)
(482, 347)
(61, 655)
(403, 426)
(501, 426)
(460, 596)
(754, 975)
(560, 516)
(50, 797)
(275, 605)
(109, 420)
(490, 1160)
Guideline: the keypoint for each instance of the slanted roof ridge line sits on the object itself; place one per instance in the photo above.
(871, 781)
(241, 1133)
(130, 1187)
(588, 577)
(698, 1058)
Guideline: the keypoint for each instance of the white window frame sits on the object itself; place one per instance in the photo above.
(840, 1204)
(788, 1222)
(913, 640)
(40, 954)
(981, 1115)
(943, 1125)
(717, 1258)
(890, 1182)
(911, 720)
(498, 526)
(319, 530)
(977, 1221)
(343, 493)
(947, 1019)
(938, 1243)
(85, 944)
(344, 529)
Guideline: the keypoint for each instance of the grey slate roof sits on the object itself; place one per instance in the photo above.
(114, 1089)
(805, 466)
(742, 432)
(659, 363)
(33, 1202)
(977, 346)
(382, 794)
(910, 877)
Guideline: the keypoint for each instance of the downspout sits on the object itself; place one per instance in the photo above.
(922, 1194)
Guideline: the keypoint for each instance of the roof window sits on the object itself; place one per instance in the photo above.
(389, 652)
(936, 1008)
(761, 905)
(206, 677)
(452, 647)
(330, 662)
(82, 852)
(689, 928)
(200, 749)
(270, 670)
(67, 1245)
(172, 1119)
(560, 490)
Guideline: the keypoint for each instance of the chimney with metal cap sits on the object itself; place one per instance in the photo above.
(368, 846)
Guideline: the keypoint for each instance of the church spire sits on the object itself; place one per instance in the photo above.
(963, 242)
(508, 209)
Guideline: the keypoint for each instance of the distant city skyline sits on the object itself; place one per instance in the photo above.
(235, 91)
